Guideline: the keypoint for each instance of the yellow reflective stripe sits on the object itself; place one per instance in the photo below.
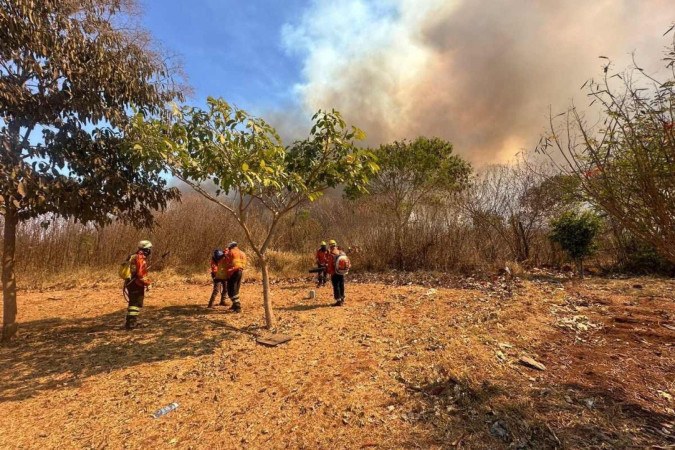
(134, 308)
(133, 313)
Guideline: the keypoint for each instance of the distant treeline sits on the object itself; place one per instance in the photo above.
(501, 218)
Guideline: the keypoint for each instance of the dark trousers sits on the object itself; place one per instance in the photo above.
(233, 285)
(136, 295)
(338, 282)
(322, 276)
(219, 287)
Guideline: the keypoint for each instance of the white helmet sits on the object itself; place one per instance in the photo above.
(145, 245)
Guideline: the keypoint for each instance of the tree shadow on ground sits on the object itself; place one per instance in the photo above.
(494, 416)
(52, 353)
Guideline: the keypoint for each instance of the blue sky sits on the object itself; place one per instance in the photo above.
(230, 49)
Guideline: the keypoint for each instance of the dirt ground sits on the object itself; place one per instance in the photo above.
(406, 366)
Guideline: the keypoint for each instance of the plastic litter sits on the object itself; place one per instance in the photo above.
(166, 410)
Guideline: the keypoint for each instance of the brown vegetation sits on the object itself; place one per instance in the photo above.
(500, 220)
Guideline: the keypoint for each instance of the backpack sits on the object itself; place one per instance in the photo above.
(342, 264)
(125, 270)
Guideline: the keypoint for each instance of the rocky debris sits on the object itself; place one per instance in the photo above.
(531, 363)
(500, 286)
(498, 429)
(577, 323)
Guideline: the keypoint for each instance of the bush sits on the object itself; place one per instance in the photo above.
(575, 232)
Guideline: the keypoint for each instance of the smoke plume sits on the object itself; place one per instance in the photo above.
(480, 74)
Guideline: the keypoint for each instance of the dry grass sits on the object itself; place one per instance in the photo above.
(398, 367)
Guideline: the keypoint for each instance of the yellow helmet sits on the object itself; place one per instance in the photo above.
(332, 243)
(323, 243)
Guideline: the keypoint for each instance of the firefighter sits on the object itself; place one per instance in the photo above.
(235, 262)
(138, 283)
(322, 257)
(219, 277)
(337, 280)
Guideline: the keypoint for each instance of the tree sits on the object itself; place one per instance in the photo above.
(575, 233)
(65, 68)
(412, 173)
(626, 161)
(245, 160)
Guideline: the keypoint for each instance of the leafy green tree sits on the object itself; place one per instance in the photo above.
(245, 160)
(413, 173)
(65, 68)
(575, 232)
(626, 160)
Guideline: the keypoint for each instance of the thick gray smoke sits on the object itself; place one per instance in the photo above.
(480, 74)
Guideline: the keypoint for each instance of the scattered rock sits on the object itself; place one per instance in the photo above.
(499, 430)
(578, 323)
(531, 363)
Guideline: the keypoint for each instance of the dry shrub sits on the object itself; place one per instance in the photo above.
(443, 237)
(286, 264)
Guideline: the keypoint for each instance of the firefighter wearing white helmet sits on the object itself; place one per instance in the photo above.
(138, 283)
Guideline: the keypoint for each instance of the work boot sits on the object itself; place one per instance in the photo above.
(210, 304)
(131, 323)
(236, 307)
(222, 303)
(338, 302)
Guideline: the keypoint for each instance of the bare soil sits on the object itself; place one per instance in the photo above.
(400, 366)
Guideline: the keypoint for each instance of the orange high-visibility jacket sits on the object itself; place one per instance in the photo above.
(333, 256)
(322, 257)
(140, 269)
(235, 260)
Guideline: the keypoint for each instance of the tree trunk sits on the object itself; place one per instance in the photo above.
(9, 309)
(581, 268)
(267, 301)
(526, 244)
(398, 243)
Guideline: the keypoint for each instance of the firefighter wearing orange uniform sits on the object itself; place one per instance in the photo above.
(137, 285)
(322, 258)
(235, 262)
(337, 280)
(219, 277)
